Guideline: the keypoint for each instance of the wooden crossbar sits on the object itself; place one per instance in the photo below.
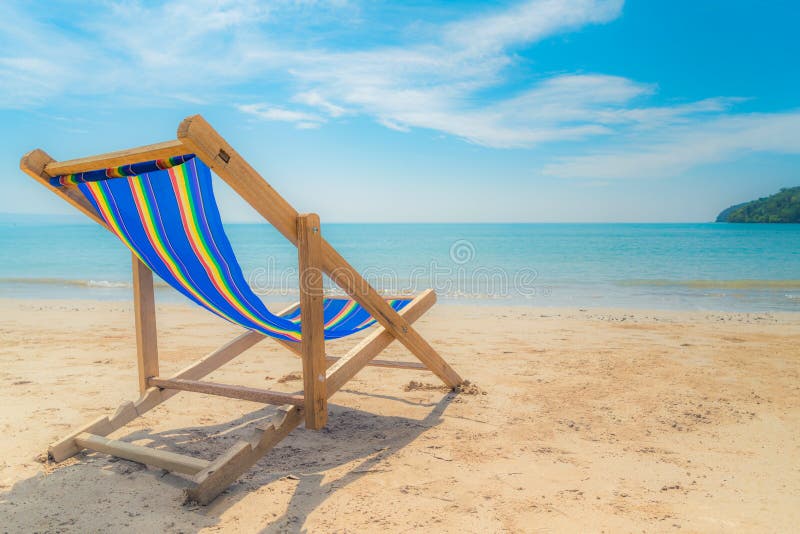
(34, 163)
(294, 348)
(156, 457)
(388, 364)
(225, 390)
(167, 149)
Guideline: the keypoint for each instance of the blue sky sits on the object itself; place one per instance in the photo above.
(544, 110)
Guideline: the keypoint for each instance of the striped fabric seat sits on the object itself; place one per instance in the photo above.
(165, 212)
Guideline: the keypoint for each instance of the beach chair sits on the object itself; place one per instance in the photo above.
(158, 200)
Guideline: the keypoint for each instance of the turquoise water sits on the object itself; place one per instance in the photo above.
(672, 266)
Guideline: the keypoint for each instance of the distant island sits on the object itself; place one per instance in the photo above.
(782, 207)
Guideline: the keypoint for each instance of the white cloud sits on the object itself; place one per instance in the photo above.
(32, 69)
(181, 49)
(307, 125)
(434, 82)
(528, 22)
(313, 99)
(227, 43)
(266, 112)
(393, 125)
(681, 148)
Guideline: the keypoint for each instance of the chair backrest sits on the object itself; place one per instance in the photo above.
(165, 212)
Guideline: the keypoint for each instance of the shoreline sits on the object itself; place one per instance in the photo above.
(176, 300)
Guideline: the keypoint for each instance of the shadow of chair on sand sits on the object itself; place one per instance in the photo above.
(68, 497)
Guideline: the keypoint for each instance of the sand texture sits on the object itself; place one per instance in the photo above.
(578, 420)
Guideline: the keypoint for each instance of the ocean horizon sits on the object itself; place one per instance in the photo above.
(681, 266)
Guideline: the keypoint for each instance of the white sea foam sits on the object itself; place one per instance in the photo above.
(106, 284)
(99, 284)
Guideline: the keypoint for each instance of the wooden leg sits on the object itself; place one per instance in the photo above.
(229, 391)
(227, 468)
(136, 453)
(144, 305)
(312, 346)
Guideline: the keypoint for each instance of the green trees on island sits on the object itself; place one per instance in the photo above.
(782, 207)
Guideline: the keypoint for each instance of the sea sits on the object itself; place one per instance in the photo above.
(711, 266)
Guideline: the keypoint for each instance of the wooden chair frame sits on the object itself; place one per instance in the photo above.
(323, 375)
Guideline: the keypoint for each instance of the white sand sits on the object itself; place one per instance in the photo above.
(591, 421)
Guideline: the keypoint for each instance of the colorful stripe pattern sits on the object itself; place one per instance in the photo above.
(119, 172)
(169, 218)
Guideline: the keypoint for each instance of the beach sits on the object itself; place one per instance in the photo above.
(397, 267)
(577, 419)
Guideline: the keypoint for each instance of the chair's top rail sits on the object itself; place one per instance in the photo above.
(108, 160)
